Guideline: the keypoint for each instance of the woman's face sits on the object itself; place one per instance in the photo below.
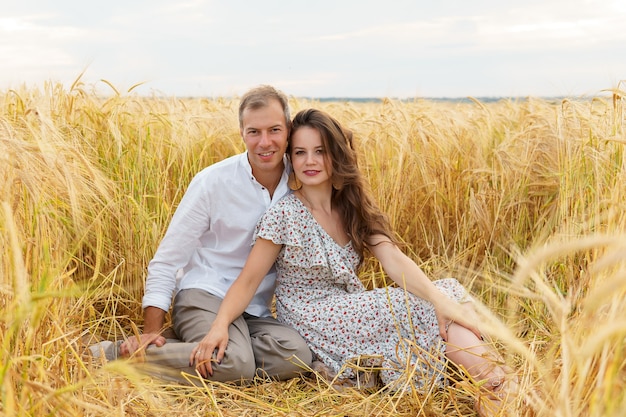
(308, 157)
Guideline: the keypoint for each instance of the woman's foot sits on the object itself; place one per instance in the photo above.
(497, 394)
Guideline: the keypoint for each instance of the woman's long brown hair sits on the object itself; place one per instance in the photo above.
(360, 214)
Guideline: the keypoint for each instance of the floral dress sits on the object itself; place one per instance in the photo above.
(320, 295)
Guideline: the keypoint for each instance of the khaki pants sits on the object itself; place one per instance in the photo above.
(257, 346)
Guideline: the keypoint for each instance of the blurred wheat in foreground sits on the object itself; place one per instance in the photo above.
(523, 201)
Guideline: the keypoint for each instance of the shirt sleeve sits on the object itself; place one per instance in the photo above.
(191, 219)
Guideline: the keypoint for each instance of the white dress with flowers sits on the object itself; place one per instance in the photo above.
(320, 295)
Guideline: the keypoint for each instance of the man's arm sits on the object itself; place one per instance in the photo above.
(190, 219)
(153, 318)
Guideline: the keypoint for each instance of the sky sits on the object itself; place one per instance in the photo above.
(317, 48)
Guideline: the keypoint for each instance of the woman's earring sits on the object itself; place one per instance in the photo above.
(293, 182)
(337, 183)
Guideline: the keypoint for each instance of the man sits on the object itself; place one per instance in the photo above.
(209, 239)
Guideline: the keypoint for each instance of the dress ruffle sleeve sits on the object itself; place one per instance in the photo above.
(282, 224)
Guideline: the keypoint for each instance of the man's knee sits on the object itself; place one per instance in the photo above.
(302, 353)
(283, 359)
(234, 368)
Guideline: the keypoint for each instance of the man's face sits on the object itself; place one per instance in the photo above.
(264, 131)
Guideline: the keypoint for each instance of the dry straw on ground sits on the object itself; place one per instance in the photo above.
(522, 200)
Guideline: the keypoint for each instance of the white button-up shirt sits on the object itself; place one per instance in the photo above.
(211, 235)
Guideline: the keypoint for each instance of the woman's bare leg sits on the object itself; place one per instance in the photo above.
(483, 363)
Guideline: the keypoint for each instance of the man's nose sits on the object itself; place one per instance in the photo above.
(265, 139)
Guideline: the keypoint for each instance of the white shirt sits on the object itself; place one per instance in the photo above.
(211, 235)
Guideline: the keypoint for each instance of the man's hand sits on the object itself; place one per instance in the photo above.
(153, 323)
(136, 344)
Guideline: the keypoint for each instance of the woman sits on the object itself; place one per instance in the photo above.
(318, 237)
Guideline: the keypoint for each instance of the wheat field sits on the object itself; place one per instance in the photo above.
(524, 201)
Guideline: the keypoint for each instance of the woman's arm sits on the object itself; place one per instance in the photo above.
(405, 272)
(261, 258)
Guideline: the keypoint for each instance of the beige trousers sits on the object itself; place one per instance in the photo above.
(257, 346)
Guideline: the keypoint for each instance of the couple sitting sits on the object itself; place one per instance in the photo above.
(308, 246)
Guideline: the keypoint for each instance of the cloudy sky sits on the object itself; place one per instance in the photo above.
(318, 48)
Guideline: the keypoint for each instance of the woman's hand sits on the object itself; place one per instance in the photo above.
(203, 355)
(449, 312)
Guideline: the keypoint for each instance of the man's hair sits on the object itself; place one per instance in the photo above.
(259, 97)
